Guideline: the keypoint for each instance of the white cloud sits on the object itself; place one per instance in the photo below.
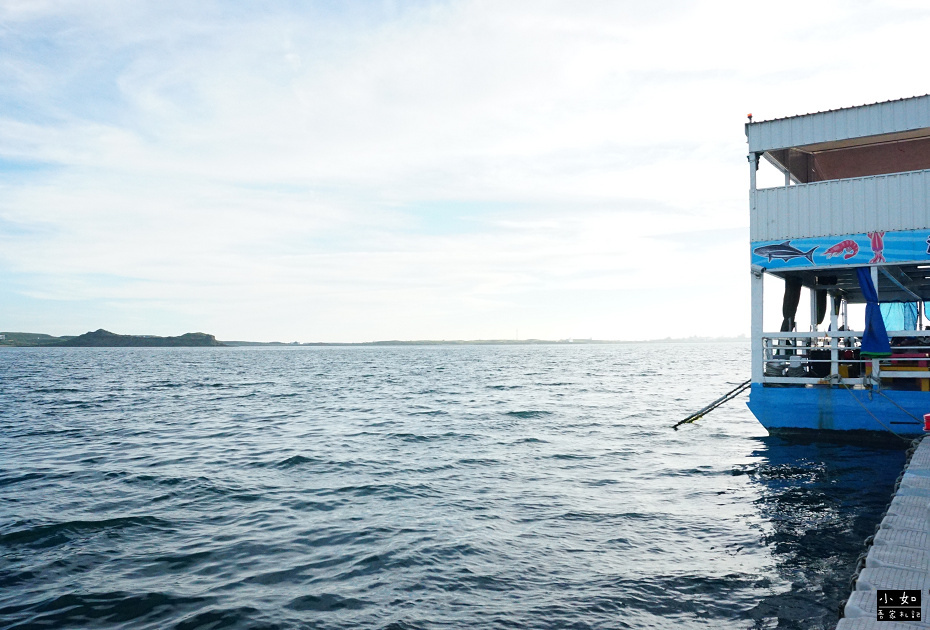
(440, 170)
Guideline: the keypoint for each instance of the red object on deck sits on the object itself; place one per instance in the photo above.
(927, 422)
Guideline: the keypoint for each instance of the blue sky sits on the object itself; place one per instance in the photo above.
(406, 170)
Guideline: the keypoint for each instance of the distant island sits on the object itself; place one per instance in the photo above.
(105, 339)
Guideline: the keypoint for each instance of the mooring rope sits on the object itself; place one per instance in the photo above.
(889, 429)
(891, 400)
(730, 395)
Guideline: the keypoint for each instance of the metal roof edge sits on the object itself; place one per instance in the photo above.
(838, 109)
(861, 121)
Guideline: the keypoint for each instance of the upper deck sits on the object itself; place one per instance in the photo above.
(846, 171)
(848, 126)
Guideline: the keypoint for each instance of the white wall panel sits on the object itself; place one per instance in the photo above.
(841, 206)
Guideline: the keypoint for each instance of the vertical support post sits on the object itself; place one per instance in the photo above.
(755, 334)
(876, 372)
(811, 342)
(813, 293)
(758, 358)
(834, 341)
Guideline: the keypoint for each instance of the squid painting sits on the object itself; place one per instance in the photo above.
(877, 240)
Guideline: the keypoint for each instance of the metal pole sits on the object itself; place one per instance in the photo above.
(756, 282)
(756, 329)
(876, 376)
(813, 294)
(834, 341)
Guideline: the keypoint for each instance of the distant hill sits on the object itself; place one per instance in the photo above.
(105, 339)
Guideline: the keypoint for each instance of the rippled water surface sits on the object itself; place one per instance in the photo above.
(415, 487)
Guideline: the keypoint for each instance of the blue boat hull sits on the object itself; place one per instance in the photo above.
(837, 412)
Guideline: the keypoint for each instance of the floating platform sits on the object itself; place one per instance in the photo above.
(899, 555)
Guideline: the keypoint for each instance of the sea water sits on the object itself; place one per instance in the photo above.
(416, 487)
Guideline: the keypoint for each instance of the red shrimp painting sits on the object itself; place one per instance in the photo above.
(878, 245)
(848, 248)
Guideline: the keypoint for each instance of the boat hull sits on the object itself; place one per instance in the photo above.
(837, 412)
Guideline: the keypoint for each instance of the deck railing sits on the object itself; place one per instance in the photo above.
(896, 201)
(822, 358)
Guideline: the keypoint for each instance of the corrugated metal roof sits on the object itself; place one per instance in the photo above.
(906, 114)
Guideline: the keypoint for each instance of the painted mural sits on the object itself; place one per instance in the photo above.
(847, 248)
(868, 248)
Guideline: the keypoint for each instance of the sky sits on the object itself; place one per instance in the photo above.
(359, 171)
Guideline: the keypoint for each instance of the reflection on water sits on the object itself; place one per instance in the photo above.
(820, 502)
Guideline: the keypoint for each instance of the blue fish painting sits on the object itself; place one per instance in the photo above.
(784, 251)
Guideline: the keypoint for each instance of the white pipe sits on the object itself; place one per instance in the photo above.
(813, 295)
(756, 282)
(834, 341)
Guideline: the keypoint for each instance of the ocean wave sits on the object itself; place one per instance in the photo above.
(528, 414)
(51, 534)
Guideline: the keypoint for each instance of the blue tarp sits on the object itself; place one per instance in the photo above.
(875, 338)
(899, 315)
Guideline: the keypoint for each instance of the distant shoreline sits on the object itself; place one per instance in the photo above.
(105, 339)
(495, 342)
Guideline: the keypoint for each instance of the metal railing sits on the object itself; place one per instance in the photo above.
(822, 358)
(895, 201)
